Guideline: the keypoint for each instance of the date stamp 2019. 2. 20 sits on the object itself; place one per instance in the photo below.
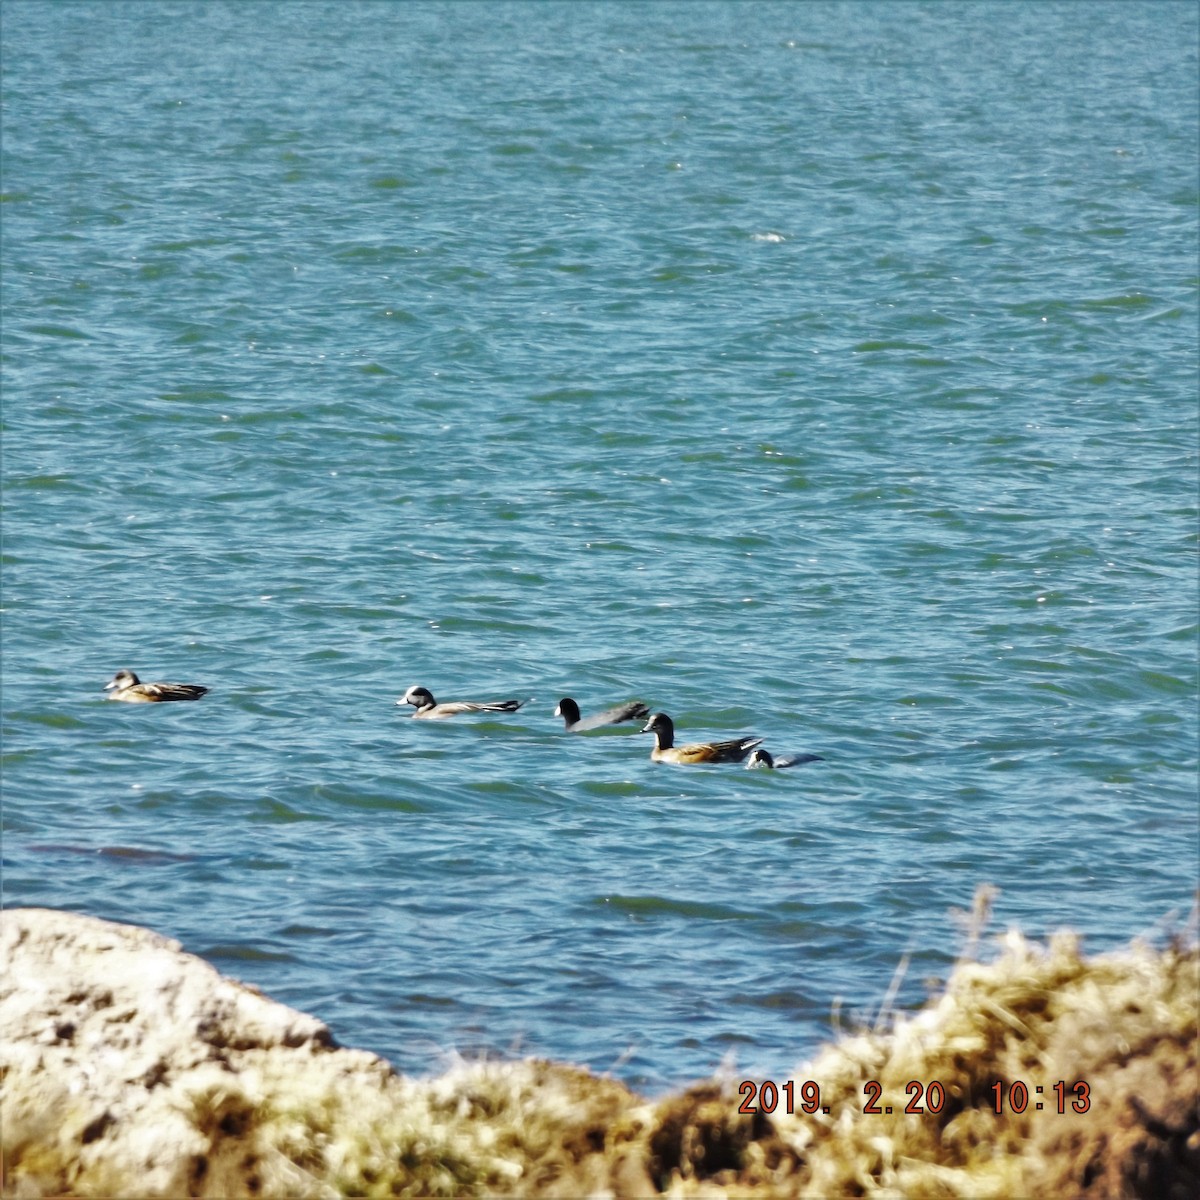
(765, 1097)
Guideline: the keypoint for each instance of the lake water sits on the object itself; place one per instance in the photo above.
(826, 372)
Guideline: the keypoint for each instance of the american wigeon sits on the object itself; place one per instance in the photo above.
(125, 685)
(635, 710)
(763, 758)
(425, 706)
(665, 750)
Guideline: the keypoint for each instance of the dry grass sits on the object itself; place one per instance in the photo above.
(1126, 1023)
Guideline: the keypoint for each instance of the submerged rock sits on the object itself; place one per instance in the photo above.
(134, 1069)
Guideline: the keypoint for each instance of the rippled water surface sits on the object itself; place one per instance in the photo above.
(825, 371)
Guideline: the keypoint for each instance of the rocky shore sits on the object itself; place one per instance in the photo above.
(132, 1069)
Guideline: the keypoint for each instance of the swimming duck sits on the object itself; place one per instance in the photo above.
(428, 708)
(763, 758)
(635, 710)
(125, 685)
(665, 749)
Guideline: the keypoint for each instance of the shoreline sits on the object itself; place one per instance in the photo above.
(134, 1069)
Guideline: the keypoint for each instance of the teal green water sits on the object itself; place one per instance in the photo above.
(826, 372)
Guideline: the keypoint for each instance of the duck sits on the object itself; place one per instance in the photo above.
(568, 709)
(427, 708)
(665, 750)
(125, 685)
(763, 758)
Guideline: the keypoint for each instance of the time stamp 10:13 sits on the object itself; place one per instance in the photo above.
(765, 1097)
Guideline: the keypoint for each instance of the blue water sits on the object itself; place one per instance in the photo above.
(826, 372)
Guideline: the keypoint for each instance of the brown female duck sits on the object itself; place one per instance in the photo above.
(665, 750)
(125, 685)
(429, 709)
